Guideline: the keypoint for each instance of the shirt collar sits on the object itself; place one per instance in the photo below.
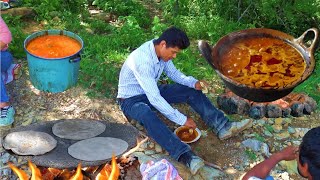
(153, 52)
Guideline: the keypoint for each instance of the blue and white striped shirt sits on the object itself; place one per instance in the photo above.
(140, 74)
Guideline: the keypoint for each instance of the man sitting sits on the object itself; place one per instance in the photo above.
(139, 94)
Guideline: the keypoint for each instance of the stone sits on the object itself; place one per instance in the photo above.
(277, 128)
(158, 148)
(149, 152)
(258, 110)
(273, 111)
(267, 133)
(291, 130)
(210, 173)
(139, 126)
(286, 112)
(297, 109)
(282, 136)
(151, 145)
(253, 144)
(278, 121)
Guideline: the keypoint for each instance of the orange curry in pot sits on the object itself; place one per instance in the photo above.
(263, 62)
(53, 46)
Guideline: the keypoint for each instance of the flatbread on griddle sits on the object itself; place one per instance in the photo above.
(78, 129)
(98, 148)
(29, 142)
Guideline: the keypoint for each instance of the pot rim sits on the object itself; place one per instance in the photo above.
(53, 32)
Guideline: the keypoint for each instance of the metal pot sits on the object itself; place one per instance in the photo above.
(214, 57)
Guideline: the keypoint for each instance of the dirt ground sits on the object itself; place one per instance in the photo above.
(33, 106)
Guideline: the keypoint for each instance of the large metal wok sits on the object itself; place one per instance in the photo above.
(59, 157)
(213, 56)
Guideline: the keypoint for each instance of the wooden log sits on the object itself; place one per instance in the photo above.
(20, 11)
(257, 110)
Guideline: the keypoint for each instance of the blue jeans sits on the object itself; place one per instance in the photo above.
(6, 61)
(139, 108)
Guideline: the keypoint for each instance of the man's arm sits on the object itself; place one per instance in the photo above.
(263, 169)
(144, 74)
(174, 74)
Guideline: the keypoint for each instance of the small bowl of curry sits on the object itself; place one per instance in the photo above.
(187, 135)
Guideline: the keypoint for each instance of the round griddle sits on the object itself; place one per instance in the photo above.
(59, 156)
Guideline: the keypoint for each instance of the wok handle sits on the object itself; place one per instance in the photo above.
(205, 50)
(310, 50)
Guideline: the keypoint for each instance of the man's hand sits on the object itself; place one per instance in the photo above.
(190, 123)
(201, 85)
(289, 153)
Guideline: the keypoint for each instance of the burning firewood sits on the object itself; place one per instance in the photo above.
(20, 173)
(109, 172)
(78, 175)
(139, 143)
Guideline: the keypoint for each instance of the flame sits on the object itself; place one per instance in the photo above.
(109, 172)
(78, 175)
(36, 174)
(65, 174)
(20, 173)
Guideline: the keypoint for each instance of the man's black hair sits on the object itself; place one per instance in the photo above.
(310, 151)
(174, 37)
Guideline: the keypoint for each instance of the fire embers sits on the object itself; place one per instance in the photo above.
(293, 104)
(108, 172)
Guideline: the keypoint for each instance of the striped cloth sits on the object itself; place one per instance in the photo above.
(160, 170)
(140, 74)
(10, 75)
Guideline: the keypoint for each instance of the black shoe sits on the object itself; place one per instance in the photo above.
(192, 161)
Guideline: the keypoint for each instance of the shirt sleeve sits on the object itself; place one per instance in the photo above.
(5, 34)
(173, 73)
(144, 75)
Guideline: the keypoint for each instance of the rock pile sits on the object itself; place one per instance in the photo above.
(294, 104)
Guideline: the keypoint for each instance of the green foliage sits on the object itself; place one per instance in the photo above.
(15, 25)
(259, 137)
(48, 9)
(126, 8)
(269, 128)
(251, 155)
(130, 35)
(292, 17)
(157, 27)
(106, 45)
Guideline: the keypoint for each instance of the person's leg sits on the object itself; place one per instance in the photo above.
(214, 118)
(176, 93)
(7, 111)
(6, 61)
(140, 109)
